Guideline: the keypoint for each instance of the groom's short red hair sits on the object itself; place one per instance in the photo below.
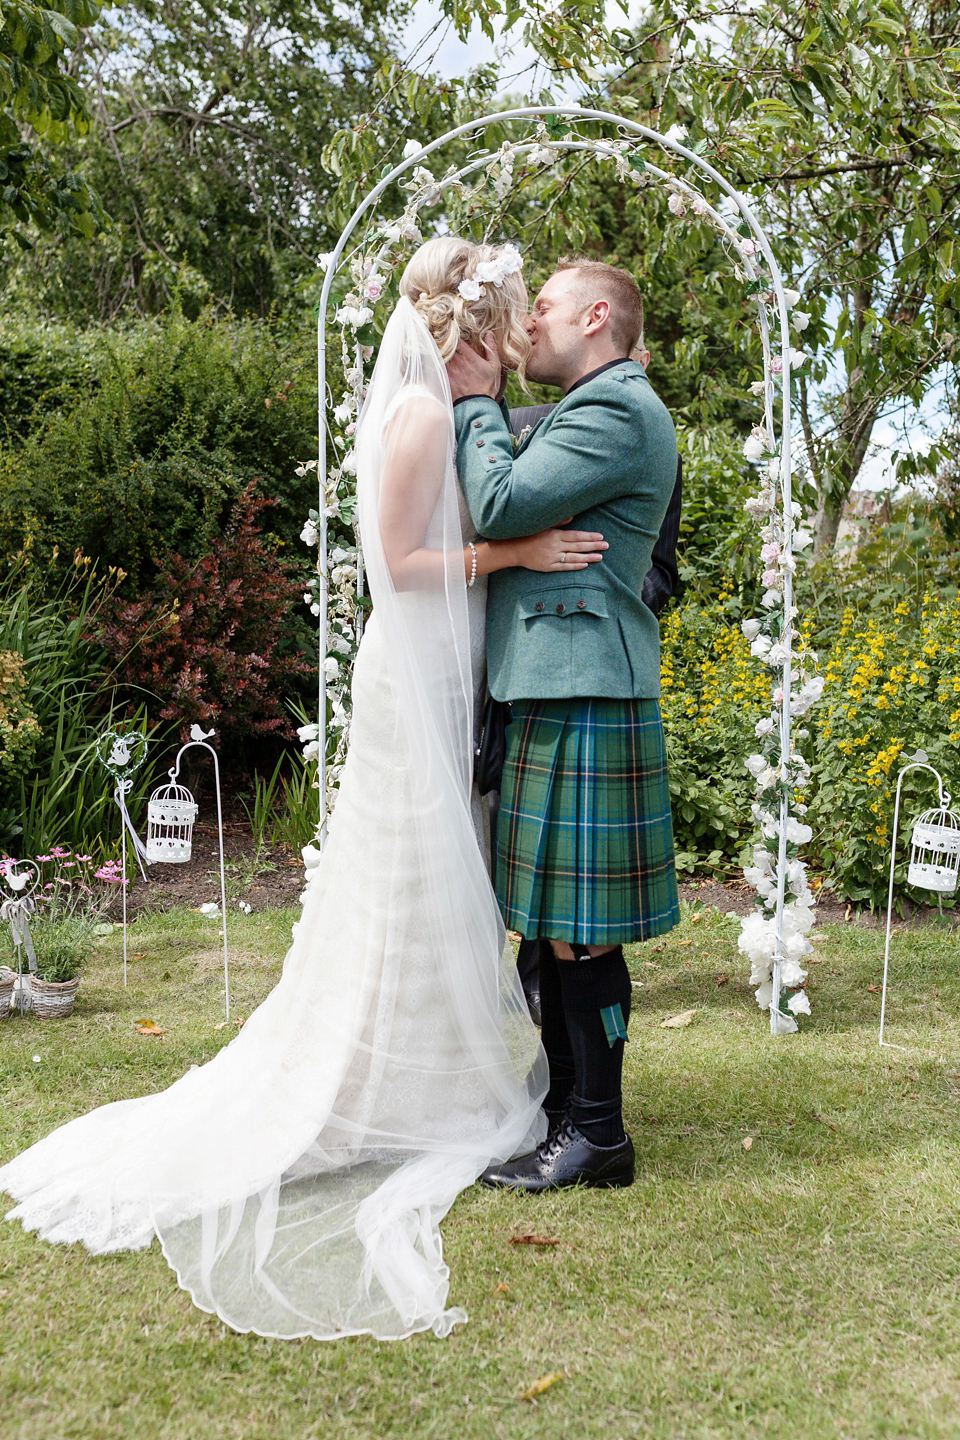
(605, 282)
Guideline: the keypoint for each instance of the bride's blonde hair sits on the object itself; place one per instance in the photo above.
(430, 282)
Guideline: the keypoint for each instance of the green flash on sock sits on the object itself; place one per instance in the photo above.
(613, 1024)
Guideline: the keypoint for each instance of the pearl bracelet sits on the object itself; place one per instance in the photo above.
(473, 567)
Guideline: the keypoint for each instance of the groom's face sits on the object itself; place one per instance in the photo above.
(556, 331)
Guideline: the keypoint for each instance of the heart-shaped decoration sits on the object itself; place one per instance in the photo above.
(18, 878)
(122, 754)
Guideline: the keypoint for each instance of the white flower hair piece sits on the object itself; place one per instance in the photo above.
(491, 272)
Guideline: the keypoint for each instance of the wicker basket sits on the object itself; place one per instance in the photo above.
(7, 981)
(51, 1000)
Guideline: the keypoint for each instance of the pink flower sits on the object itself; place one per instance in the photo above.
(374, 288)
(770, 579)
(770, 552)
(776, 365)
(45, 857)
(59, 853)
(84, 859)
(778, 696)
(676, 206)
(747, 248)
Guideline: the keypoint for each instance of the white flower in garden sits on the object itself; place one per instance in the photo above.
(748, 248)
(354, 315)
(800, 319)
(343, 412)
(778, 654)
(755, 764)
(792, 298)
(342, 574)
(758, 387)
(412, 147)
(331, 670)
(765, 727)
(338, 555)
(309, 534)
(797, 833)
(470, 290)
(776, 365)
(761, 647)
(758, 505)
(543, 155)
(699, 205)
(801, 539)
(311, 750)
(349, 464)
(807, 696)
(307, 732)
(797, 358)
(311, 857)
(676, 133)
(757, 443)
(783, 1024)
(307, 596)
(314, 609)
(771, 599)
(676, 206)
(750, 628)
(393, 233)
(792, 973)
(409, 230)
(799, 1003)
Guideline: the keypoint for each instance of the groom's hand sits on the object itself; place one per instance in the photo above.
(473, 374)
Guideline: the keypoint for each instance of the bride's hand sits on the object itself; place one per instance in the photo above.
(554, 551)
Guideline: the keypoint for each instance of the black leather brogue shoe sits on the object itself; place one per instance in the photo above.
(565, 1158)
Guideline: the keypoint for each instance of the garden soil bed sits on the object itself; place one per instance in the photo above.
(275, 878)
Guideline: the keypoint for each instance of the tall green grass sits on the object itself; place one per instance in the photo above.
(284, 808)
(66, 796)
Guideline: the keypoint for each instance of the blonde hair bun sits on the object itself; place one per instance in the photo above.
(430, 282)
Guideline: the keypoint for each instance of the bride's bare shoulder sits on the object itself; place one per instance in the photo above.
(417, 405)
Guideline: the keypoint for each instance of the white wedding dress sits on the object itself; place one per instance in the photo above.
(297, 1182)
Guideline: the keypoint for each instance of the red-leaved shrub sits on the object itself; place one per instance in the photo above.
(217, 641)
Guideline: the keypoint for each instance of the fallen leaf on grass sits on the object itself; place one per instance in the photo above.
(501, 1289)
(544, 1383)
(534, 1240)
(747, 1142)
(683, 942)
(874, 989)
(221, 1026)
(824, 1121)
(720, 979)
(148, 1027)
(239, 1024)
(677, 1022)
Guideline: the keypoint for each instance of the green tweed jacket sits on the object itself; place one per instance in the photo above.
(607, 457)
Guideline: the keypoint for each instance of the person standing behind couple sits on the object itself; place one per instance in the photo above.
(585, 854)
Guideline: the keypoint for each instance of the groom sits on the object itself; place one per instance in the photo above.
(585, 845)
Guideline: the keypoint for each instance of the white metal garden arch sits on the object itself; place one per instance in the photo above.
(744, 214)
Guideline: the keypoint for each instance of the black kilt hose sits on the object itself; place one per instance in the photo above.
(585, 837)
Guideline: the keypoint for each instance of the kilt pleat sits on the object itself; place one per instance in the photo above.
(584, 836)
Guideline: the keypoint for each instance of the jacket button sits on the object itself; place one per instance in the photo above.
(581, 604)
(491, 459)
(560, 609)
(480, 444)
(477, 424)
(539, 605)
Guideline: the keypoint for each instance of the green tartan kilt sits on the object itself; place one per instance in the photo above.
(584, 836)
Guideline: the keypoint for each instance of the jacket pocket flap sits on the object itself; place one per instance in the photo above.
(563, 601)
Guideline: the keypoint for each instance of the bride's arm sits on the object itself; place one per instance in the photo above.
(417, 454)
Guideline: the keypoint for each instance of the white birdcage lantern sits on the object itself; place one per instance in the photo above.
(170, 816)
(935, 851)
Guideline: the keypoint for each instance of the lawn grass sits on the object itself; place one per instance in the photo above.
(806, 1287)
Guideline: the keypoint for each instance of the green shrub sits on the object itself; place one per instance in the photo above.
(175, 418)
(19, 727)
(892, 687)
(713, 694)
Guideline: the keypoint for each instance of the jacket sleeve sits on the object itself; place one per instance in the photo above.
(591, 453)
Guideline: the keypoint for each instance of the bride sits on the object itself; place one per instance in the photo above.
(296, 1183)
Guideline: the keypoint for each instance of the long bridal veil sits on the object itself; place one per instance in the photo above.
(298, 1180)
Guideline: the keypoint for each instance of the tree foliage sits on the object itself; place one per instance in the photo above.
(41, 105)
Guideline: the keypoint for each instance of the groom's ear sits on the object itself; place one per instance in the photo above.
(596, 316)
